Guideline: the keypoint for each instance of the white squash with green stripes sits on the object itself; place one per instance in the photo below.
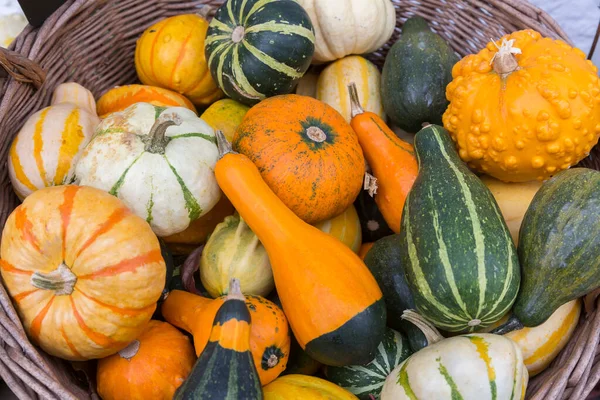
(159, 161)
(468, 367)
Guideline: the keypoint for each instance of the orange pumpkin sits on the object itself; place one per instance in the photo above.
(170, 54)
(152, 367)
(121, 97)
(306, 152)
(196, 234)
(364, 249)
(83, 271)
(269, 335)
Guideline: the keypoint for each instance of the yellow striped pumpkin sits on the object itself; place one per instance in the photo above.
(83, 272)
(46, 149)
(170, 54)
(332, 86)
(345, 227)
(540, 345)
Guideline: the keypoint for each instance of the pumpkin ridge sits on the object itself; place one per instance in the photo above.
(453, 388)
(121, 310)
(393, 140)
(5, 265)
(403, 381)
(38, 145)
(66, 209)
(69, 343)
(36, 323)
(271, 62)
(483, 350)
(15, 161)
(180, 57)
(194, 209)
(25, 226)
(152, 52)
(200, 135)
(128, 265)
(18, 297)
(116, 217)
(72, 136)
(149, 207)
(96, 337)
(114, 190)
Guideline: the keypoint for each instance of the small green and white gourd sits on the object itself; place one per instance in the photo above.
(158, 160)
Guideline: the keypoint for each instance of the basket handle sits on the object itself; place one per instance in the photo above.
(21, 68)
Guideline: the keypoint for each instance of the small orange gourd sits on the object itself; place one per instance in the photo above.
(152, 367)
(121, 97)
(364, 249)
(332, 301)
(524, 107)
(391, 159)
(269, 336)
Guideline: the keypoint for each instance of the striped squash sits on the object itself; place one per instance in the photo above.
(121, 97)
(469, 367)
(259, 48)
(332, 86)
(366, 381)
(83, 272)
(46, 149)
(460, 261)
(345, 227)
(158, 160)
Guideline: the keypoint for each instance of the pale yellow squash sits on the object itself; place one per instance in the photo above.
(345, 227)
(307, 85)
(225, 115)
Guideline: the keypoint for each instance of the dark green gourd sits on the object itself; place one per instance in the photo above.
(225, 369)
(559, 245)
(415, 74)
(460, 261)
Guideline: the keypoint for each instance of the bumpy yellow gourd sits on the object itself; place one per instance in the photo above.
(524, 108)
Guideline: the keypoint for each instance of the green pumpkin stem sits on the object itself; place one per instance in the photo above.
(157, 140)
(431, 333)
(355, 106)
(62, 280)
(223, 145)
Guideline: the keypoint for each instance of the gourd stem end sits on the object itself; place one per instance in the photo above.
(223, 145)
(513, 324)
(355, 106)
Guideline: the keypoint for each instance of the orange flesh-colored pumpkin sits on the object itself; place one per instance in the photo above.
(364, 249)
(121, 97)
(83, 271)
(391, 159)
(525, 115)
(185, 242)
(152, 367)
(322, 284)
(170, 54)
(306, 152)
(269, 336)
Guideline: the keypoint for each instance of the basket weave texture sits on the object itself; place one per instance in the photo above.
(92, 42)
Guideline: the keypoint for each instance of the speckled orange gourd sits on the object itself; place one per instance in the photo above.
(527, 114)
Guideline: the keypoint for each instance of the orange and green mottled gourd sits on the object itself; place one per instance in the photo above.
(121, 97)
(152, 367)
(170, 55)
(524, 107)
(391, 159)
(269, 336)
(47, 148)
(306, 153)
(83, 272)
(332, 301)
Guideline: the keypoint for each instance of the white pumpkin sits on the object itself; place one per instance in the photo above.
(11, 26)
(158, 160)
(344, 27)
(47, 147)
(332, 86)
(469, 367)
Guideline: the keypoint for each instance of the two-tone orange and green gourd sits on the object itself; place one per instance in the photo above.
(460, 261)
(332, 301)
(225, 370)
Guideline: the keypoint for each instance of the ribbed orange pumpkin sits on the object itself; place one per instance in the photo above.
(121, 97)
(524, 108)
(170, 54)
(83, 271)
(152, 367)
(306, 152)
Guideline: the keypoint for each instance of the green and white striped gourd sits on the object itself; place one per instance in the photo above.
(460, 261)
(467, 367)
(366, 381)
(259, 48)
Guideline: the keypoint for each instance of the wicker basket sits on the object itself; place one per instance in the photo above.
(92, 42)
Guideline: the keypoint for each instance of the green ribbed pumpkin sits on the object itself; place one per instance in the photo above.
(460, 261)
(259, 48)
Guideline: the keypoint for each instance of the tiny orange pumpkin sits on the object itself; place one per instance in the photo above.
(121, 97)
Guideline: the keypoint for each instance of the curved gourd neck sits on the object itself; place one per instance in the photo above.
(182, 309)
(432, 144)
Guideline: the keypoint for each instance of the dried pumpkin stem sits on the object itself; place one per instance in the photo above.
(223, 145)
(370, 184)
(238, 34)
(431, 333)
(157, 140)
(235, 292)
(130, 351)
(272, 361)
(62, 280)
(504, 62)
(355, 106)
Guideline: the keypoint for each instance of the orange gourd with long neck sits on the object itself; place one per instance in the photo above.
(392, 160)
(332, 301)
(269, 335)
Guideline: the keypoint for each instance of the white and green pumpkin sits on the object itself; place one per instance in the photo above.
(468, 367)
(366, 381)
(259, 48)
(159, 161)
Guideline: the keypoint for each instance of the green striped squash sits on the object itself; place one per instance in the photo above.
(460, 261)
(468, 367)
(259, 48)
(366, 381)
